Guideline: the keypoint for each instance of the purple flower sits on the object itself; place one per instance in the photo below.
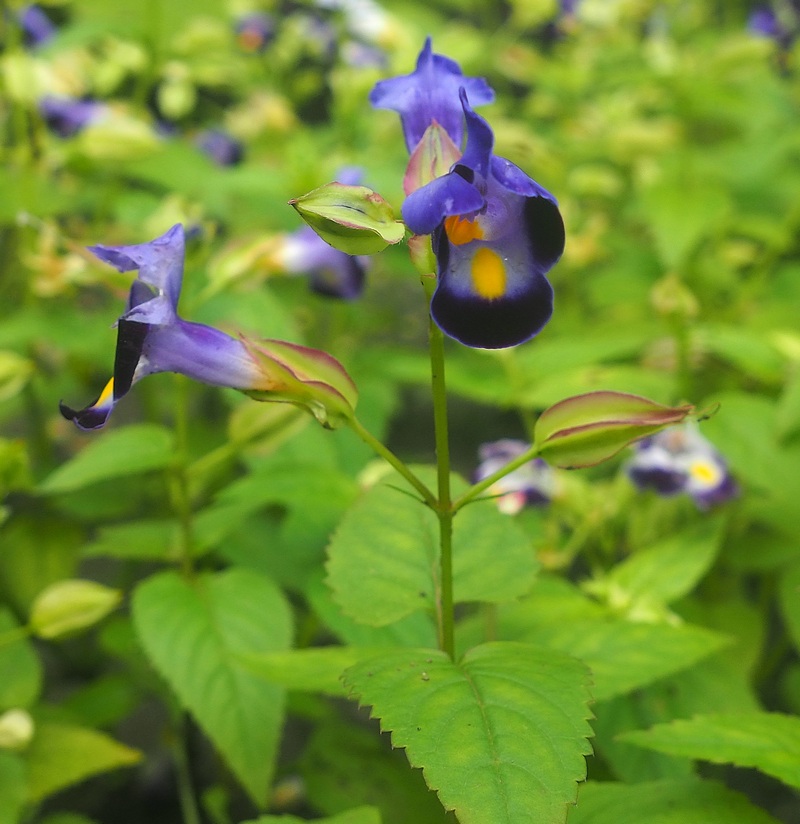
(680, 460)
(37, 27)
(152, 338)
(66, 116)
(532, 484)
(255, 31)
(223, 149)
(330, 272)
(496, 233)
(430, 93)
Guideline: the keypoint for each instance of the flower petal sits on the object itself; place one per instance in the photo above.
(449, 195)
(160, 262)
(490, 296)
(430, 92)
(96, 414)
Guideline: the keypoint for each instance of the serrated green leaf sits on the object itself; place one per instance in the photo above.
(359, 815)
(61, 755)
(116, 454)
(770, 742)
(383, 557)
(192, 633)
(21, 681)
(686, 801)
(501, 735)
(12, 787)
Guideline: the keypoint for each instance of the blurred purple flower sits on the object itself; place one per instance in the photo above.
(532, 484)
(37, 27)
(330, 272)
(152, 338)
(764, 21)
(223, 149)
(430, 92)
(680, 460)
(255, 31)
(66, 116)
(496, 233)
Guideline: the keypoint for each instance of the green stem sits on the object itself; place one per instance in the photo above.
(181, 501)
(483, 485)
(189, 809)
(393, 460)
(444, 510)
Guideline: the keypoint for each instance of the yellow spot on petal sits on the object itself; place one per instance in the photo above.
(706, 473)
(488, 274)
(461, 230)
(107, 394)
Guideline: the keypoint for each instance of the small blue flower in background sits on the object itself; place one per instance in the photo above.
(428, 94)
(66, 116)
(223, 149)
(680, 460)
(255, 31)
(764, 21)
(496, 233)
(330, 272)
(532, 484)
(37, 27)
(152, 338)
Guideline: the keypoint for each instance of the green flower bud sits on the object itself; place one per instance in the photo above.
(16, 730)
(353, 219)
(67, 607)
(587, 429)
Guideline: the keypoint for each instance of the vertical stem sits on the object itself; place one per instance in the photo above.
(189, 809)
(180, 482)
(444, 510)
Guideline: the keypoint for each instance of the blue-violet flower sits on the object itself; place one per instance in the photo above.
(496, 233)
(428, 94)
(152, 338)
(223, 149)
(680, 460)
(532, 484)
(66, 116)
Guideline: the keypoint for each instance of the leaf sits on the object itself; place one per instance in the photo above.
(383, 557)
(61, 755)
(147, 539)
(664, 572)
(684, 801)
(192, 633)
(345, 764)
(500, 735)
(790, 602)
(359, 815)
(770, 742)
(117, 454)
(318, 669)
(21, 681)
(12, 787)
(623, 655)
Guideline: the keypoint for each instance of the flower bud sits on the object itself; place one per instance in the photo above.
(587, 429)
(353, 219)
(67, 607)
(305, 377)
(16, 730)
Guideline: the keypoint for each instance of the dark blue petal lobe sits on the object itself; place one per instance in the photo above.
(448, 195)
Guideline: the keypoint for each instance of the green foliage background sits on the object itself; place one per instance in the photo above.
(254, 550)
